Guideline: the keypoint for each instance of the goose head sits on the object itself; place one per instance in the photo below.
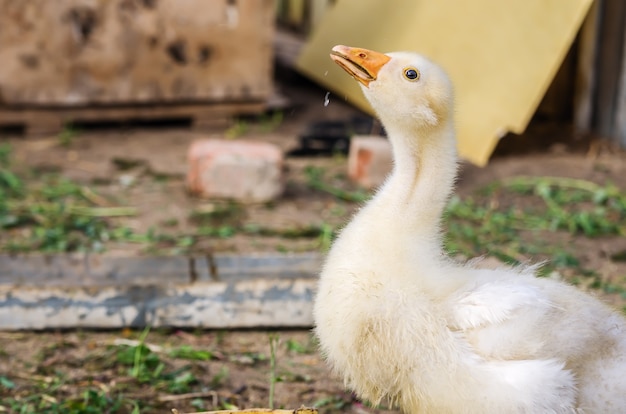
(405, 89)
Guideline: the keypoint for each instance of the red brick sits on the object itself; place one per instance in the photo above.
(247, 171)
(369, 160)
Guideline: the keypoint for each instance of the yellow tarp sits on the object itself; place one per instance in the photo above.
(501, 55)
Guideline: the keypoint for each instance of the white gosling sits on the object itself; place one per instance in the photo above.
(400, 321)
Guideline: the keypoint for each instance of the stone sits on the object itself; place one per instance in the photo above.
(241, 170)
(370, 160)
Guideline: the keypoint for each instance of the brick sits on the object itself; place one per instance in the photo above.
(370, 160)
(246, 171)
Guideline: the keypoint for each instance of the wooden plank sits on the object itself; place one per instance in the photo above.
(98, 291)
(88, 270)
(234, 267)
(585, 81)
(260, 302)
(301, 410)
(609, 62)
(619, 128)
(46, 119)
(91, 270)
(500, 68)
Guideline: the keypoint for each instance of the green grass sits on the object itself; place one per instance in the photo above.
(68, 136)
(514, 221)
(133, 367)
(134, 376)
(53, 214)
(90, 401)
(317, 180)
(518, 231)
(49, 213)
(510, 219)
(265, 123)
(514, 232)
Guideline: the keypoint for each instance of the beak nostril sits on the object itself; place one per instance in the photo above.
(362, 64)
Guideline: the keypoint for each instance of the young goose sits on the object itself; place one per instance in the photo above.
(402, 322)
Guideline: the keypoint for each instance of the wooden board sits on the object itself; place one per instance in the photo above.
(77, 52)
(620, 105)
(51, 120)
(585, 84)
(96, 291)
(609, 65)
(501, 55)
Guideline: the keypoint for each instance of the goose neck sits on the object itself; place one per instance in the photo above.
(424, 173)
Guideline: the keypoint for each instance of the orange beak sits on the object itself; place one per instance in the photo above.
(362, 64)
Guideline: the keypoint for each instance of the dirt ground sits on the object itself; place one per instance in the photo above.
(238, 373)
(154, 160)
(145, 167)
(155, 185)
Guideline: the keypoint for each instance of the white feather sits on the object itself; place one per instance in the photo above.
(400, 321)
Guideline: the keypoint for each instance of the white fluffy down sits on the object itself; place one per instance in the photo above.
(401, 322)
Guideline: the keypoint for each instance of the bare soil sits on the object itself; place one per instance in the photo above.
(155, 185)
(238, 373)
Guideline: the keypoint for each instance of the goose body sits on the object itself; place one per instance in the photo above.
(400, 321)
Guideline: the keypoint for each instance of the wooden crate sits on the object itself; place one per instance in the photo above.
(64, 54)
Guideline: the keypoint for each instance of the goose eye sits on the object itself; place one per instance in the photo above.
(411, 74)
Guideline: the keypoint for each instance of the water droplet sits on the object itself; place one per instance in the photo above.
(327, 99)
(325, 73)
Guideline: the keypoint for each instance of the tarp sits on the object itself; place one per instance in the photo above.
(501, 55)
